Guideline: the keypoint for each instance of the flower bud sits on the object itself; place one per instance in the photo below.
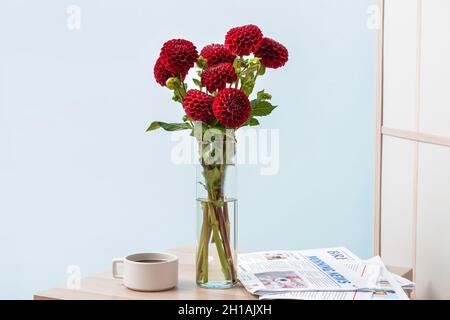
(173, 83)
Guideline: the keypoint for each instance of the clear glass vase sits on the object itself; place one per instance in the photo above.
(216, 186)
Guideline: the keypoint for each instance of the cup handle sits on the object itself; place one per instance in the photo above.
(115, 274)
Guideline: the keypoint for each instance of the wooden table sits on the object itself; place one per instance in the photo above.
(103, 287)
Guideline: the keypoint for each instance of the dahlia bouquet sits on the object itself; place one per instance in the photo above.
(225, 77)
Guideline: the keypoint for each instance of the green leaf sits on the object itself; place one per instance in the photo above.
(236, 63)
(251, 122)
(248, 87)
(262, 95)
(261, 70)
(261, 108)
(176, 97)
(202, 62)
(239, 67)
(212, 177)
(169, 126)
(255, 61)
(198, 83)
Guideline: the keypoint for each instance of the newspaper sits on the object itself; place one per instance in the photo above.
(404, 283)
(319, 275)
(386, 287)
(319, 295)
(308, 270)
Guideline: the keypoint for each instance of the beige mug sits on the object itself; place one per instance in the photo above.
(147, 271)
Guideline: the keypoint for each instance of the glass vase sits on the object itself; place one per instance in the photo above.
(216, 183)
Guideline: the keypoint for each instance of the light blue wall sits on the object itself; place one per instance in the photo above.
(81, 182)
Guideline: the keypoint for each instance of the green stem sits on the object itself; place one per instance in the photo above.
(226, 242)
(181, 89)
(219, 244)
(215, 226)
(226, 218)
(222, 215)
(205, 251)
(239, 66)
(199, 256)
(202, 250)
(256, 77)
(178, 91)
(247, 73)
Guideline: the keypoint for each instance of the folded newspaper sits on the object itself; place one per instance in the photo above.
(322, 274)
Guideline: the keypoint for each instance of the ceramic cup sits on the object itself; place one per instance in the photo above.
(147, 271)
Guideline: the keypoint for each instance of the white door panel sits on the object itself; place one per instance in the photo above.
(435, 68)
(400, 61)
(397, 202)
(433, 223)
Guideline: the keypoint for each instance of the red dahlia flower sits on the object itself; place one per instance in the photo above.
(243, 40)
(198, 106)
(232, 107)
(273, 54)
(217, 53)
(216, 77)
(162, 74)
(179, 55)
